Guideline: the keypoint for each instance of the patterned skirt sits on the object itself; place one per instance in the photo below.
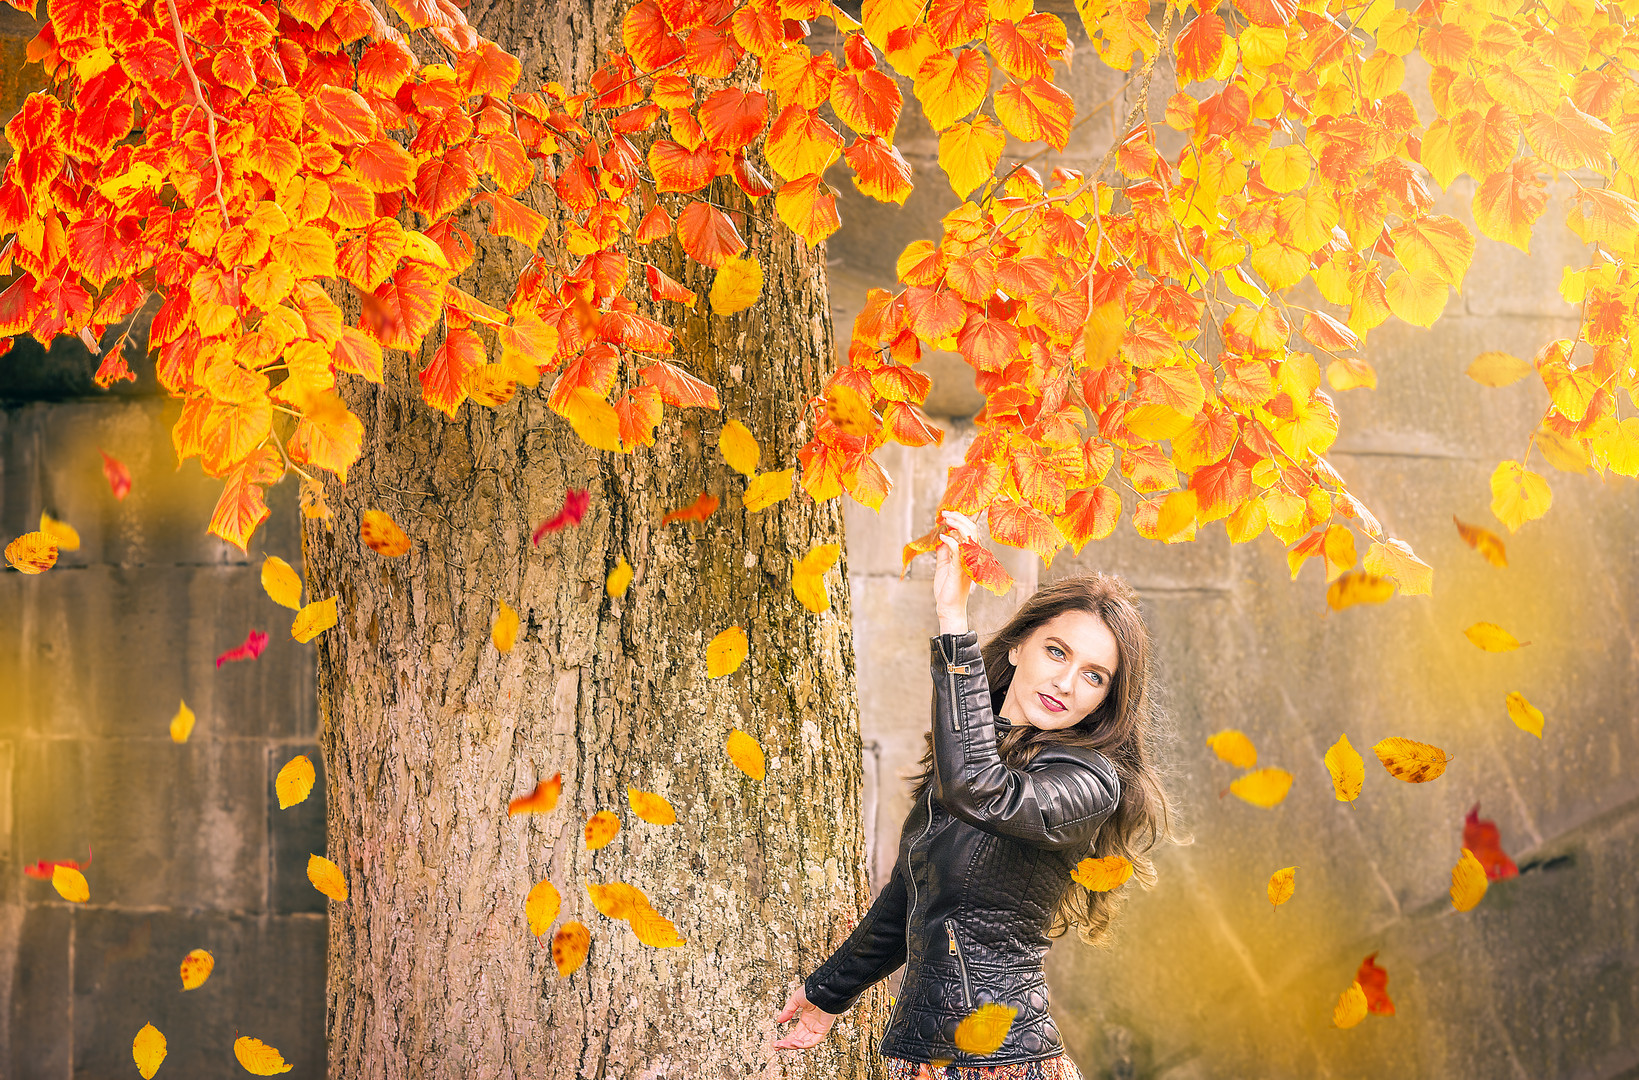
(1058, 1068)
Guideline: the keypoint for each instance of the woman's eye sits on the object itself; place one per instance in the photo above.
(1056, 652)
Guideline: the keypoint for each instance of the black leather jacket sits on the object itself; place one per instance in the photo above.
(984, 859)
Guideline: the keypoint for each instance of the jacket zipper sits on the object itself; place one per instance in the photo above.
(961, 962)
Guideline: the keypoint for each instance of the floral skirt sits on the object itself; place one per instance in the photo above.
(1058, 1068)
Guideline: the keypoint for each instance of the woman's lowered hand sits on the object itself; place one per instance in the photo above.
(813, 1022)
(950, 581)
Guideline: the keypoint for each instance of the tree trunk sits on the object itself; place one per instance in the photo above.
(428, 730)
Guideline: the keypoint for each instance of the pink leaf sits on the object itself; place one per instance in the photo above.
(255, 642)
(575, 501)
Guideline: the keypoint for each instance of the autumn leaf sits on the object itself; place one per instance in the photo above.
(1265, 787)
(569, 947)
(601, 828)
(542, 800)
(327, 877)
(726, 652)
(281, 583)
(294, 782)
(575, 502)
(1234, 747)
(1411, 761)
(1493, 638)
(1358, 587)
(148, 1049)
(32, 553)
(1518, 495)
(1351, 1006)
(746, 753)
(983, 1030)
(808, 576)
(196, 968)
(651, 807)
(70, 884)
(1348, 769)
(314, 619)
(1102, 875)
(182, 723)
(64, 535)
(738, 283)
(505, 631)
(119, 477)
(1497, 369)
(619, 579)
(1484, 840)
(255, 642)
(258, 1058)
(739, 447)
(1374, 982)
(1393, 559)
(1282, 883)
(699, 510)
(767, 489)
(1487, 543)
(1468, 882)
(1526, 717)
(382, 535)
(541, 907)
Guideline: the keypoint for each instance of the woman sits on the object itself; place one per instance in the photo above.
(1043, 763)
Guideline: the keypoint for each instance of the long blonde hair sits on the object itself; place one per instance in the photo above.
(1125, 728)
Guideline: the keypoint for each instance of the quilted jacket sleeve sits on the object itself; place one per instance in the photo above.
(1060, 805)
(872, 952)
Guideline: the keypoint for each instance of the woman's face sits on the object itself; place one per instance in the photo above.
(1062, 671)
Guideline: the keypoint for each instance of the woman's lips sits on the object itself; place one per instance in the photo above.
(1051, 704)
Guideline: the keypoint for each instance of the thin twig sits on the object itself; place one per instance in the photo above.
(199, 95)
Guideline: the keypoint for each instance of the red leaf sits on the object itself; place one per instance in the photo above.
(983, 568)
(655, 224)
(42, 869)
(1483, 838)
(678, 387)
(708, 236)
(699, 510)
(443, 381)
(880, 171)
(1375, 981)
(444, 183)
(255, 642)
(731, 118)
(662, 287)
(575, 501)
(867, 101)
(119, 477)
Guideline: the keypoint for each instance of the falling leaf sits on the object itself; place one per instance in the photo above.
(148, 1050)
(769, 488)
(1348, 769)
(1497, 369)
(313, 620)
(1374, 982)
(44, 869)
(601, 828)
(382, 535)
(1413, 762)
(281, 583)
(651, 807)
(1358, 587)
(505, 631)
(196, 968)
(32, 553)
(62, 533)
(1234, 747)
(746, 752)
(541, 907)
(1526, 716)
(617, 899)
(1493, 638)
(1468, 882)
(258, 1058)
(540, 801)
(1351, 1007)
(808, 576)
(983, 1030)
(619, 579)
(1282, 883)
(737, 285)
(655, 930)
(569, 947)
(119, 477)
(1265, 787)
(739, 447)
(726, 652)
(1482, 837)
(70, 884)
(294, 782)
(1484, 541)
(182, 723)
(575, 502)
(327, 877)
(699, 510)
(1102, 875)
(255, 642)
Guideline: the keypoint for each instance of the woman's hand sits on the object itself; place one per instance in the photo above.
(950, 581)
(813, 1022)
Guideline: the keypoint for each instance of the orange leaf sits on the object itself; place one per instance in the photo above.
(601, 828)
(808, 208)
(746, 753)
(879, 169)
(867, 101)
(543, 800)
(241, 508)
(119, 477)
(382, 535)
(444, 182)
(951, 85)
(662, 287)
(32, 553)
(1036, 111)
(982, 567)
(707, 234)
(699, 510)
(513, 219)
(801, 143)
(443, 379)
(732, 118)
(382, 165)
(569, 947)
(677, 387)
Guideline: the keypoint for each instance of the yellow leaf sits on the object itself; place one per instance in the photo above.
(313, 620)
(182, 723)
(1493, 638)
(258, 1058)
(594, 420)
(601, 828)
(746, 753)
(1497, 369)
(505, 631)
(295, 781)
(32, 553)
(1177, 513)
(70, 884)
(1285, 168)
(382, 535)
(541, 907)
(739, 447)
(327, 877)
(726, 652)
(62, 532)
(983, 1030)
(1487, 543)
(569, 947)
(619, 579)
(1266, 787)
(737, 285)
(769, 488)
(1411, 761)
(148, 1050)
(617, 899)
(654, 929)
(282, 583)
(1348, 769)
(1234, 747)
(1394, 559)
(1416, 296)
(808, 576)
(1351, 1007)
(1526, 717)
(1282, 883)
(1518, 495)
(196, 968)
(1468, 883)
(1358, 587)
(1102, 875)
(651, 807)
(969, 151)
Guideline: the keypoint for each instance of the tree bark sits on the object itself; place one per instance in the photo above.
(428, 730)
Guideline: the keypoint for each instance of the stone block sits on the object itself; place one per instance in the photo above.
(35, 951)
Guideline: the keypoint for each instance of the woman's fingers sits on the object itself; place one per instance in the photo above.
(962, 524)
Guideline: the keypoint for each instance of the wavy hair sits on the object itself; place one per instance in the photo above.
(1126, 728)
